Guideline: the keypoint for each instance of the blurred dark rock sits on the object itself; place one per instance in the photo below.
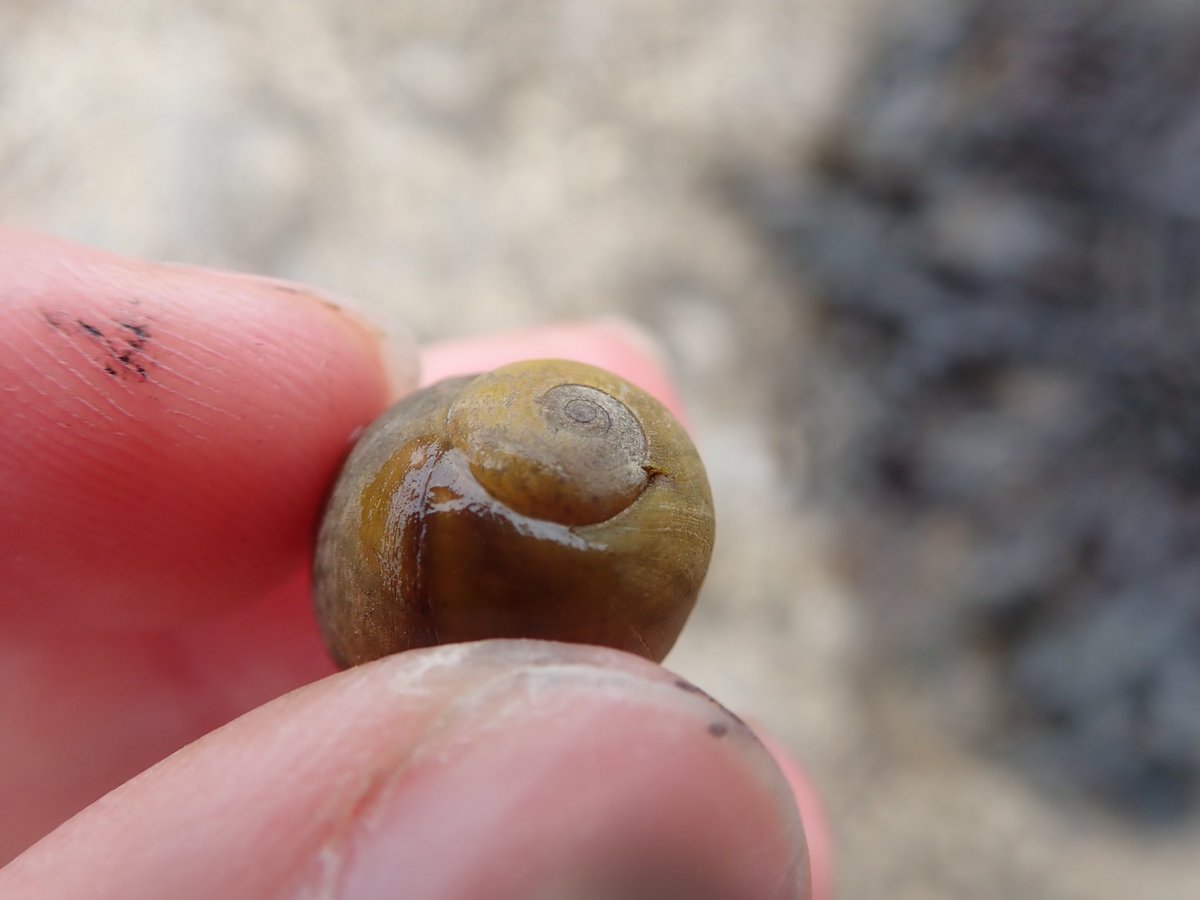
(1000, 250)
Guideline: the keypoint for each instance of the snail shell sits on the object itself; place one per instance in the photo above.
(545, 499)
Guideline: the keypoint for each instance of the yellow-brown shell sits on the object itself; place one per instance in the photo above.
(546, 499)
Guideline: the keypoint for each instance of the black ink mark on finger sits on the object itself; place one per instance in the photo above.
(118, 347)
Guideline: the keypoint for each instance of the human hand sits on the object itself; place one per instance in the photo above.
(167, 438)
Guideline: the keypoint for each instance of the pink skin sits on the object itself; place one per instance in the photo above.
(156, 520)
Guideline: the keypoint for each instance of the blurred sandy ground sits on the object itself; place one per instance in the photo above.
(483, 165)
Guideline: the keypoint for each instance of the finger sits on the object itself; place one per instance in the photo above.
(89, 715)
(501, 769)
(812, 813)
(610, 343)
(79, 717)
(168, 433)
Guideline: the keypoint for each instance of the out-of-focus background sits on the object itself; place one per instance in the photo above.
(928, 271)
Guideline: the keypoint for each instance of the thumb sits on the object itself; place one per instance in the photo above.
(505, 769)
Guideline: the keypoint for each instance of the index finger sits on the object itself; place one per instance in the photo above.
(168, 433)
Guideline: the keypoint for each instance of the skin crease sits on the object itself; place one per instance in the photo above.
(156, 527)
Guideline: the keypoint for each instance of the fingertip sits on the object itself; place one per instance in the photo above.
(587, 773)
(386, 334)
(611, 343)
(812, 813)
(170, 431)
(502, 769)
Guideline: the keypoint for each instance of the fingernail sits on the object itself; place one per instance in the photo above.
(397, 349)
(389, 335)
(575, 774)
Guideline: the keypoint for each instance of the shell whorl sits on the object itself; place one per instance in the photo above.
(552, 441)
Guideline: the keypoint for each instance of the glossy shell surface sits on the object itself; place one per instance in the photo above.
(545, 499)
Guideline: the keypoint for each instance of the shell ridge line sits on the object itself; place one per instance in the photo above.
(531, 526)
